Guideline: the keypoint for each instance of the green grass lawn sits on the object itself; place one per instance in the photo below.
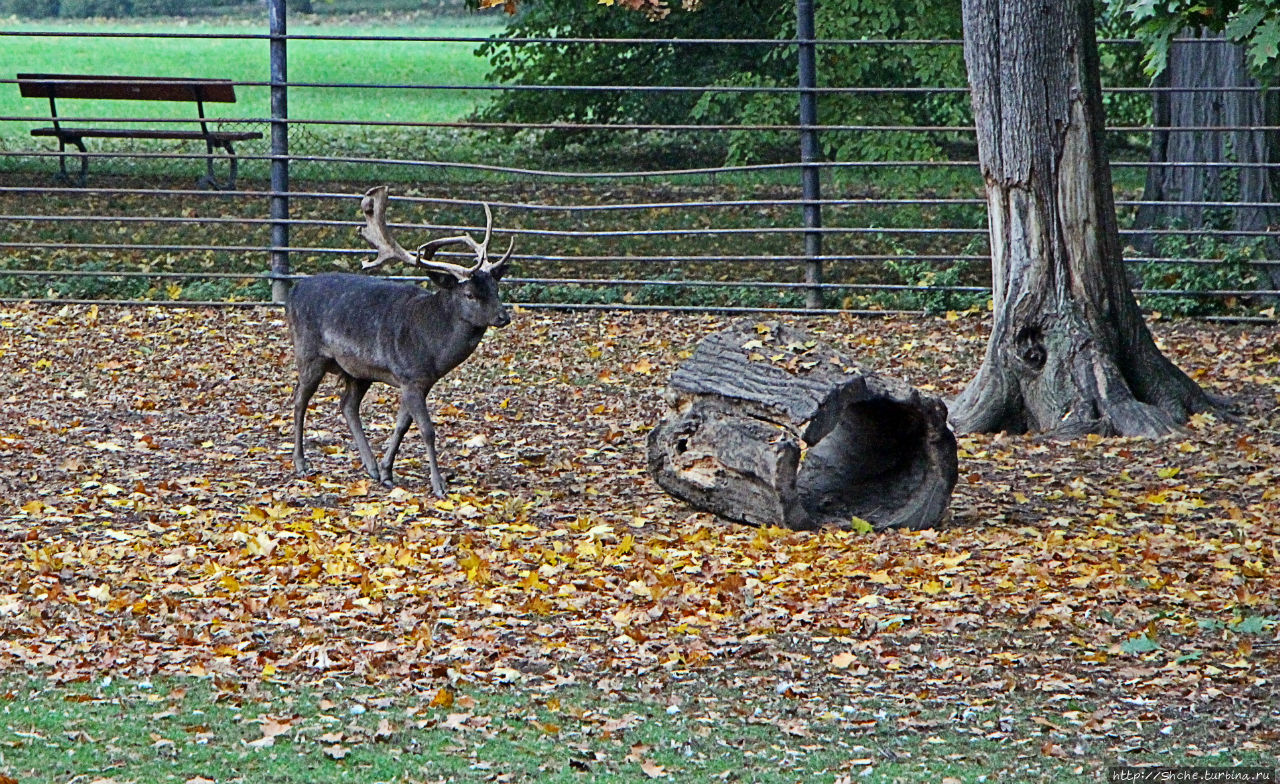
(196, 730)
(246, 59)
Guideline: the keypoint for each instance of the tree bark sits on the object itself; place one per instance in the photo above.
(1212, 89)
(769, 427)
(1069, 352)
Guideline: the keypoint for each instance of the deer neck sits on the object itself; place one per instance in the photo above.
(459, 338)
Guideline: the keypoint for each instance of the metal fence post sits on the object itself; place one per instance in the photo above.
(279, 151)
(810, 153)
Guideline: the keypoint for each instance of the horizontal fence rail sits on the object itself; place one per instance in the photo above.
(703, 196)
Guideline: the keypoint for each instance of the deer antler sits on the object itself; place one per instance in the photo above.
(481, 249)
(374, 205)
(488, 265)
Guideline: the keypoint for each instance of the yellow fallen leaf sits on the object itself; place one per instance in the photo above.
(443, 699)
(858, 525)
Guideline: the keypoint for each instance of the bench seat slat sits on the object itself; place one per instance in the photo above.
(141, 133)
(128, 88)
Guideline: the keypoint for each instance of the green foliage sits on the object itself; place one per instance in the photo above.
(754, 80)
(738, 69)
(1213, 262)
(668, 295)
(159, 7)
(82, 9)
(223, 290)
(572, 63)
(870, 65)
(34, 9)
(936, 288)
(1253, 23)
(1121, 66)
(1231, 270)
(104, 286)
(122, 9)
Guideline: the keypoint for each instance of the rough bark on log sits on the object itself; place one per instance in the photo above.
(770, 427)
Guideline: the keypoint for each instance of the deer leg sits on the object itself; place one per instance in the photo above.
(352, 394)
(403, 420)
(416, 403)
(310, 374)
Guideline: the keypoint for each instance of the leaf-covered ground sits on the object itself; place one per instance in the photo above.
(151, 525)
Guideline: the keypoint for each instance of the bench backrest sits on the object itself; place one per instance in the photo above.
(133, 88)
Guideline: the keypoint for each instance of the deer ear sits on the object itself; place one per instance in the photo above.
(445, 280)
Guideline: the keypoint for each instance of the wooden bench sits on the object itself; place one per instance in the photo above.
(57, 87)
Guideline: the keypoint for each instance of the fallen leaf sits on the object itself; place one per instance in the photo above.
(653, 770)
(843, 660)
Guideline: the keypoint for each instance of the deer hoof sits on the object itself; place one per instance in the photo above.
(301, 467)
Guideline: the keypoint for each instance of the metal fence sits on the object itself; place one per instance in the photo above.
(691, 213)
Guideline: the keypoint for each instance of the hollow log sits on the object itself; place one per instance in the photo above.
(768, 426)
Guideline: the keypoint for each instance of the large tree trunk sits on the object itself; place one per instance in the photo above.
(1212, 89)
(1069, 352)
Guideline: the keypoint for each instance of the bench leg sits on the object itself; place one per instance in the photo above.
(210, 180)
(62, 175)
